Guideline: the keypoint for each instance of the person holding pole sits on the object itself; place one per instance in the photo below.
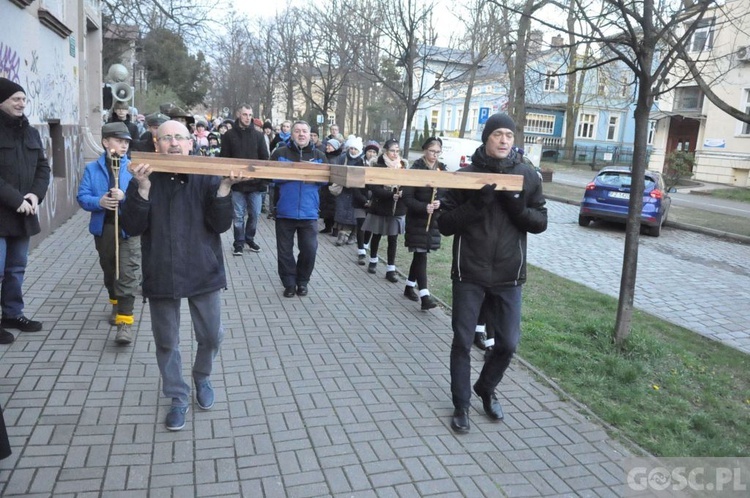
(101, 194)
(422, 234)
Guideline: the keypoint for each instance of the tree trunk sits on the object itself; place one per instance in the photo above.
(517, 107)
(571, 108)
(467, 101)
(632, 230)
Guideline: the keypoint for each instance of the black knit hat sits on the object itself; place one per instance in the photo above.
(499, 120)
(8, 88)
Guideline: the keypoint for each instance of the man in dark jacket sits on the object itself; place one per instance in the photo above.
(180, 219)
(121, 113)
(24, 177)
(489, 262)
(245, 142)
(297, 212)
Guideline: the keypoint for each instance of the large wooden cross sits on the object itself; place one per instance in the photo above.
(348, 176)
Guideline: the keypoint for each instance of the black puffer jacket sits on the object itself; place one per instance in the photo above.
(489, 244)
(245, 143)
(180, 227)
(382, 203)
(416, 199)
(23, 170)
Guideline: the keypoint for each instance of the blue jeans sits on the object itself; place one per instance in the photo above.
(297, 272)
(205, 312)
(504, 315)
(246, 203)
(14, 254)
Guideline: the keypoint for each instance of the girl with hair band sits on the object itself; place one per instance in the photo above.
(422, 234)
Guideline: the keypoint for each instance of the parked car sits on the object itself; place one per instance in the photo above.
(457, 152)
(607, 197)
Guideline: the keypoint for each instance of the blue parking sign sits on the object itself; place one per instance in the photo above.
(484, 114)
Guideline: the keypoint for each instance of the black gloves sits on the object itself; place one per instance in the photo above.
(514, 202)
(485, 196)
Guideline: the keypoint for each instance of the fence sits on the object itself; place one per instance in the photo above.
(596, 156)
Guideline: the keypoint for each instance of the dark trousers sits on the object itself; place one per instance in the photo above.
(124, 289)
(504, 314)
(418, 269)
(296, 272)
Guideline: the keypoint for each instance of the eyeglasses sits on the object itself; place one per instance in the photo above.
(169, 138)
(433, 151)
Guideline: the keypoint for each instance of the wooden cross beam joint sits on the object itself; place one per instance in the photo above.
(348, 176)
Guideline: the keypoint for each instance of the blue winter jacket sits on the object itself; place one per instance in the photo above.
(298, 200)
(94, 185)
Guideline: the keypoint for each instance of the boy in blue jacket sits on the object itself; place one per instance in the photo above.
(98, 195)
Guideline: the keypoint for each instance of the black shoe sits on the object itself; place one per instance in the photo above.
(411, 293)
(372, 268)
(335, 232)
(290, 291)
(237, 251)
(479, 338)
(361, 259)
(253, 246)
(460, 421)
(326, 230)
(428, 303)
(488, 353)
(391, 276)
(21, 323)
(301, 290)
(6, 337)
(490, 404)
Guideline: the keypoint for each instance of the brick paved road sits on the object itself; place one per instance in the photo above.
(693, 280)
(342, 393)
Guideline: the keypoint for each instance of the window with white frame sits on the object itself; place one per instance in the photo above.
(703, 36)
(551, 82)
(651, 131)
(746, 107)
(473, 119)
(459, 117)
(540, 123)
(688, 98)
(434, 118)
(612, 127)
(447, 120)
(586, 125)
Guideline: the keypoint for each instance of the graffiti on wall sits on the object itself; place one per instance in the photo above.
(50, 95)
(61, 193)
(9, 62)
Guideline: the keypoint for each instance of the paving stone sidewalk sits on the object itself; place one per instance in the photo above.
(341, 393)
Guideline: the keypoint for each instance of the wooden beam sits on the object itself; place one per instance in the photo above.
(349, 176)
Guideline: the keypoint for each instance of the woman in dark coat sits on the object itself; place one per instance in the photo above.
(327, 199)
(386, 212)
(422, 234)
(345, 217)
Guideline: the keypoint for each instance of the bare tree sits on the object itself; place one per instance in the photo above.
(190, 18)
(266, 59)
(289, 38)
(484, 33)
(405, 35)
(233, 75)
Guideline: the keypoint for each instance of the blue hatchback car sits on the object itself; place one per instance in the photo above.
(608, 194)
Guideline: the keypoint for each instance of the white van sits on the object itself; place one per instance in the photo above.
(457, 152)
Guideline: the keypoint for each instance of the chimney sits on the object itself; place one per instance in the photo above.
(557, 41)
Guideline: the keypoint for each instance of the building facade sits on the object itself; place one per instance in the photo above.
(689, 121)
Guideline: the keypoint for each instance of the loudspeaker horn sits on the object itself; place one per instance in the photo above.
(122, 92)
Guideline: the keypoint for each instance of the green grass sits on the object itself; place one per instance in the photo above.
(669, 390)
(735, 194)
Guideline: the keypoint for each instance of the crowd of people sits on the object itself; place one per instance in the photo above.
(137, 215)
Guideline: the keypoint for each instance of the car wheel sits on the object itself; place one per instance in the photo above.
(655, 231)
(583, 220)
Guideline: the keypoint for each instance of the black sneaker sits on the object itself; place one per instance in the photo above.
(6, 337)
(21, 323)
(253, 246)
(237, 251)
(361, 260)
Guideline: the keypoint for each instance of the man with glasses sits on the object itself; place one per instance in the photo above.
(245, 142)
(180, 219)
(489, 263)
